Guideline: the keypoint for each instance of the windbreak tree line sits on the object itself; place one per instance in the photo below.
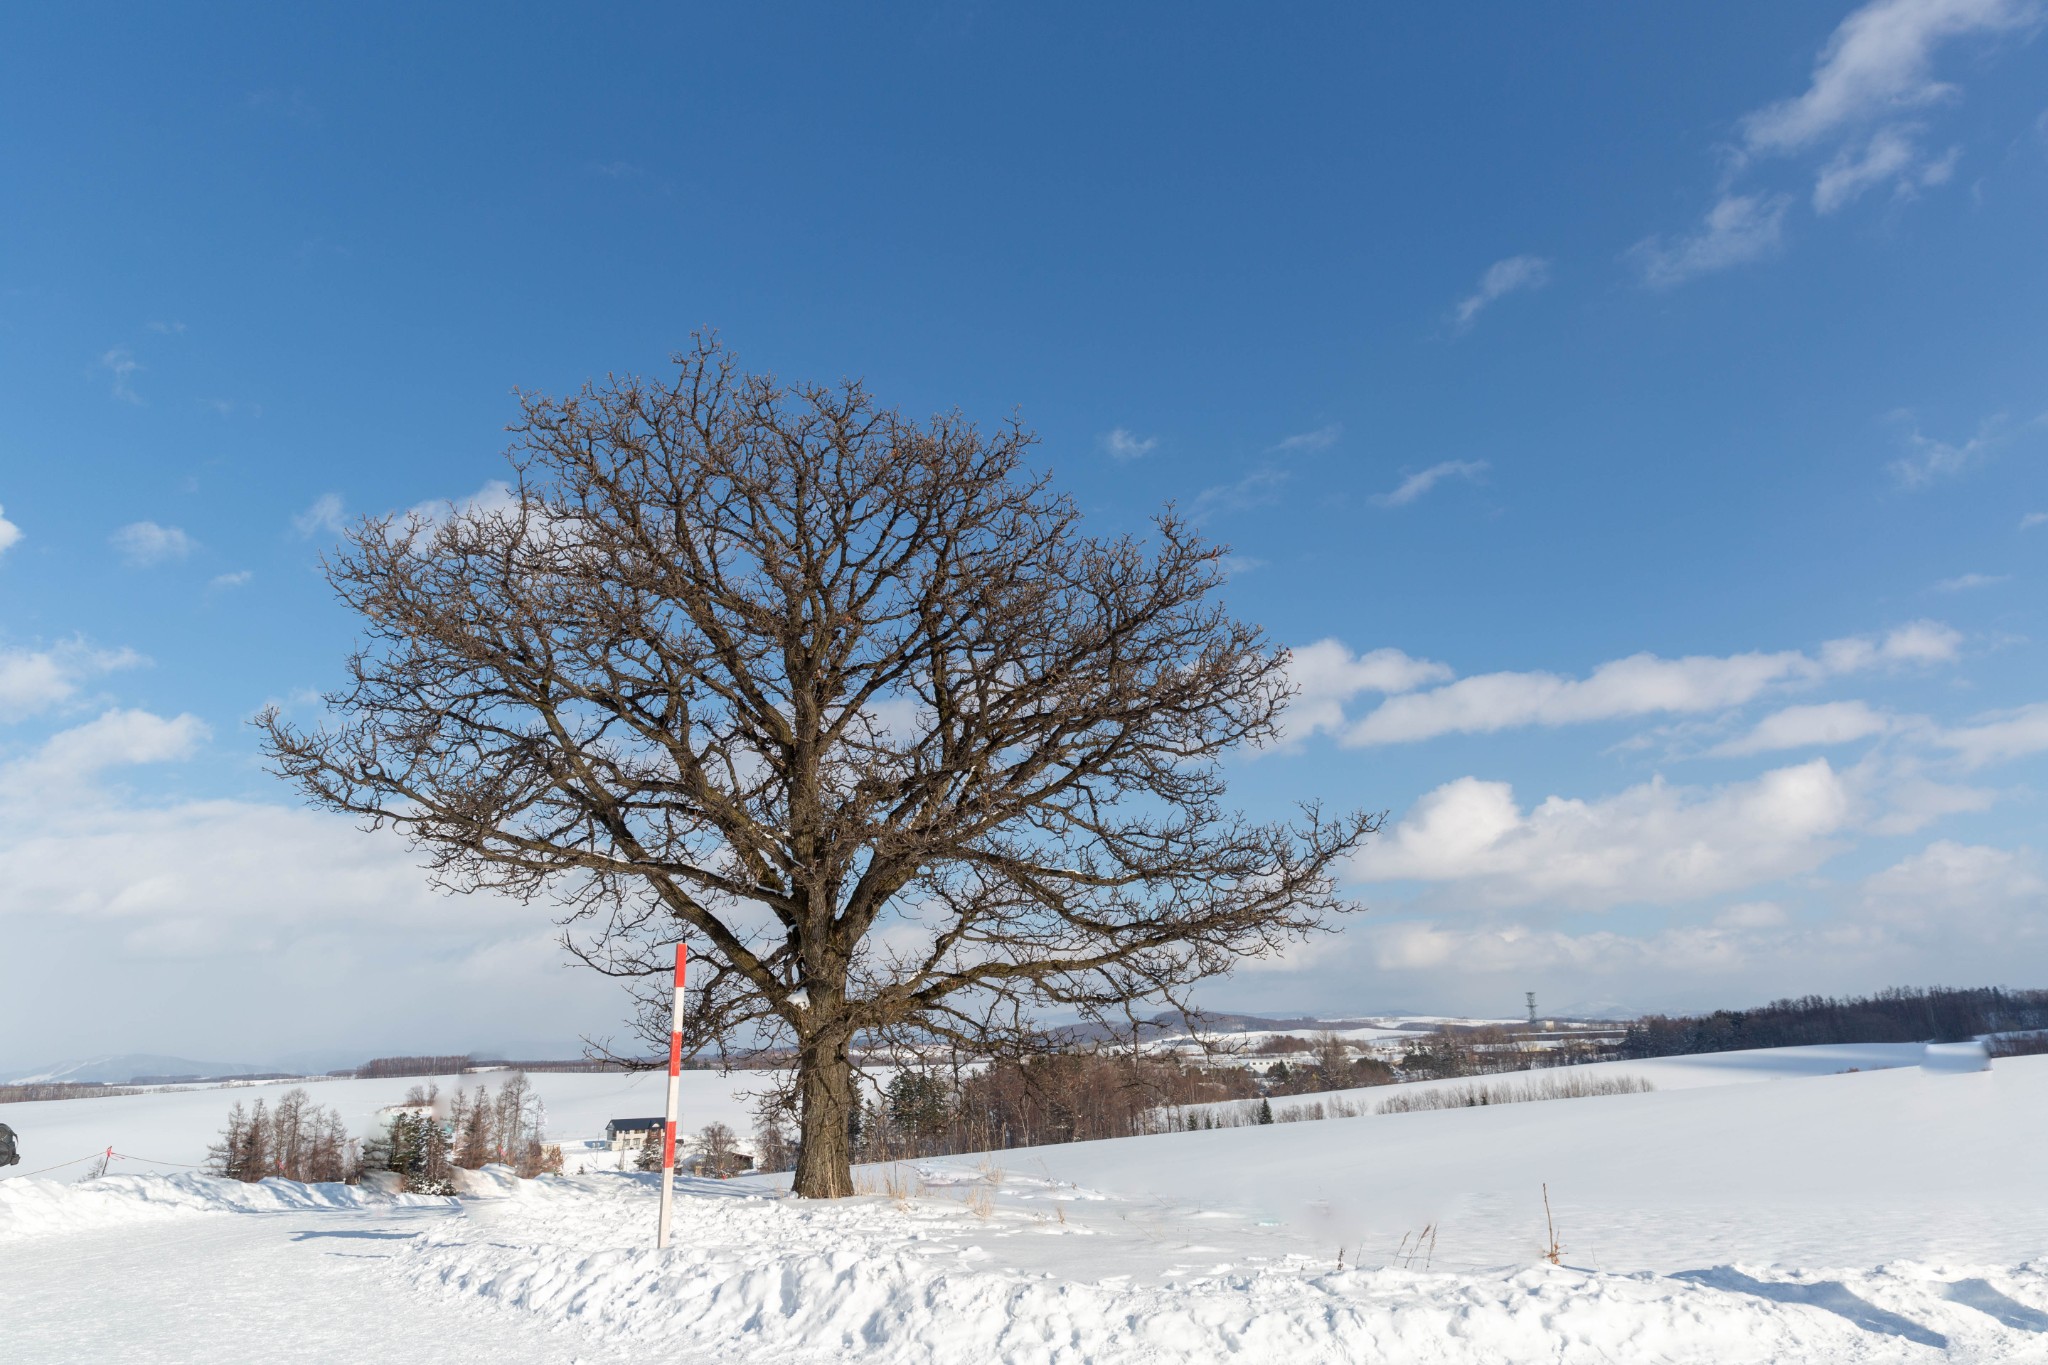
(1045, 1098)
(1898, 1015)
(850, 702)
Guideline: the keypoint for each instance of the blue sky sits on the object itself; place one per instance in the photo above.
(1635, 416)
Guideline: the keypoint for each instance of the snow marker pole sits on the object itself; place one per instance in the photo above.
(675, 1082)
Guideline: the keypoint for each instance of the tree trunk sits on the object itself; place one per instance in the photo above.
(824, 1159)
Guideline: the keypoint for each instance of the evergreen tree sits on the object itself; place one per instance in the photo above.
(652, 1150)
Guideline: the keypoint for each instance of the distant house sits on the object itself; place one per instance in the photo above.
(627, 1135)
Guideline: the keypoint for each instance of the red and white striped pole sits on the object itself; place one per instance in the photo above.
(675, 1085)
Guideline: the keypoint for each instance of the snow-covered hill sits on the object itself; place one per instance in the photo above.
(1852, 1216)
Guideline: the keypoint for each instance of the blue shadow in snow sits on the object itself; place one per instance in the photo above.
(357, 1233)
(1826, 1296)
(1979, 1294)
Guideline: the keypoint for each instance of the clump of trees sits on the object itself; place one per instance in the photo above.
(416, 1147)
(507, 1128)
(424, 1143)
(297, 1140)
(1328, 1066)
(1898, 1015)
(847, 699)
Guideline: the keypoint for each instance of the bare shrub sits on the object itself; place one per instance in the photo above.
(2019, 1045)
(773, 1150)
(1549, 1086)
(716, 1155)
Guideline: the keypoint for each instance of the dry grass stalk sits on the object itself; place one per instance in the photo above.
(1547, 1087)
(1554, 1253)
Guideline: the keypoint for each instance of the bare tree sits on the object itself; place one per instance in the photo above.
(715, 1148)
(847, 700)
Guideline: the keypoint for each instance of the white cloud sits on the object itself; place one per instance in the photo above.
(275, 924)
(144, 543)
(1415, 485)
(1802, 727)
(494, 496)
(34, 681)
(118, 738)
(1259, 488)
(1640, 685)
(1690, 951)
(1999, 736)
(1916, 642)
(324, 515)
(1322, 438)
(9, 532)
(1964, 582)
(2033, 519)
(1876, 63)
(1951, 888)
(1326, 675)
(1889, 155)
(1740, 228)
(167, 328)
(230, 580)
(1874, 68)
(1933, 459)
(122, 364)
(1502, 278)
(1652, 843)
(1906, 801)
(1121, 444)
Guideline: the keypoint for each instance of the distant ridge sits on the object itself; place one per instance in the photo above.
(132, 1066)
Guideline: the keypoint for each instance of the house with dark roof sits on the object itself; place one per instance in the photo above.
(631, 1134)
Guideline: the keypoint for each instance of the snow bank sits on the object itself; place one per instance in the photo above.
(1957, 1057)
(40, 1207)
(757, 1278)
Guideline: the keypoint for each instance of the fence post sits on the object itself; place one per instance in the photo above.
(675, 1080)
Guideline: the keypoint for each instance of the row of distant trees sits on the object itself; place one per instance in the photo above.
(1074, 1096)
(425, 1142)
(1899, 1015)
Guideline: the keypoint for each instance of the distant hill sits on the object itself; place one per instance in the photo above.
(130, 1067)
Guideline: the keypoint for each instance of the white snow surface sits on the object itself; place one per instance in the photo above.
(1887, 1215)
(30, 1208)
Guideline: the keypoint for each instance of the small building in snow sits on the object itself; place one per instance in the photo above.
(627, 1135)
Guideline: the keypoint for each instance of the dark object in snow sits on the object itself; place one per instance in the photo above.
(9, 1153)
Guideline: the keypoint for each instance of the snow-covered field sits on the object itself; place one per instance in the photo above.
(1883, 1215)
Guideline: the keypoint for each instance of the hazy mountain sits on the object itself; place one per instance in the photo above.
(128, 1066)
